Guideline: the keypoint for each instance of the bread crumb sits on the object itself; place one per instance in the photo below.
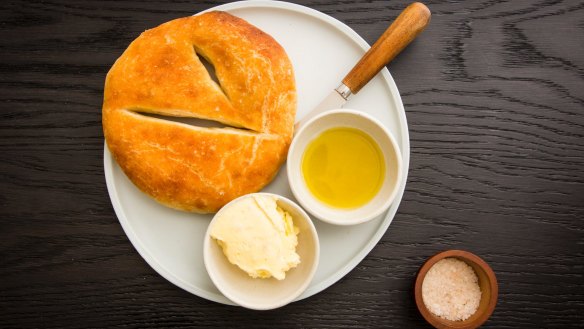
(450, 290)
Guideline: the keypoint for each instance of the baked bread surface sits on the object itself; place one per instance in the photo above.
(195, 168)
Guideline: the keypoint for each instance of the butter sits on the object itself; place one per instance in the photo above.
(258, 236)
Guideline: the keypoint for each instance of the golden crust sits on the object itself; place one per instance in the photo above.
(194, 168)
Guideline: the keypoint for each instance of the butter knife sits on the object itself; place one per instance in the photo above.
(410, 22)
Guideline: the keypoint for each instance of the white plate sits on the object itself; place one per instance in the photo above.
(322, 50)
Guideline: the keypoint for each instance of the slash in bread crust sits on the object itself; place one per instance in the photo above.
(195, 168)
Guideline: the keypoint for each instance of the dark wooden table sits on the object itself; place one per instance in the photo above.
(494, 95)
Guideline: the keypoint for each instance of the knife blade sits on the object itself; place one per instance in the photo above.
(404, 29)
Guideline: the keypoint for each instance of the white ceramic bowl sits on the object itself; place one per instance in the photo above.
(391, 153)
(265, 294)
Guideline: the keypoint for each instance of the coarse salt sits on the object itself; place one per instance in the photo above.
(451, 290)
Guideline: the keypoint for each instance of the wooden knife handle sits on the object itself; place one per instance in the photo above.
(398, 35)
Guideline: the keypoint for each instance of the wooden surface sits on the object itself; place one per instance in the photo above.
(494, 95)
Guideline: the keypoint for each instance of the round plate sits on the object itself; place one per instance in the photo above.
(322, 50)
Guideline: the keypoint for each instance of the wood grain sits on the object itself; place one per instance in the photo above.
(494, 95)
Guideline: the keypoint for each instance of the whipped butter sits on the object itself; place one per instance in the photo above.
(258, 236)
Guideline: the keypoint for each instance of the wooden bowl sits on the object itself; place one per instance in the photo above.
(487, 283)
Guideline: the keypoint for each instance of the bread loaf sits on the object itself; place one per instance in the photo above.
(195, 168)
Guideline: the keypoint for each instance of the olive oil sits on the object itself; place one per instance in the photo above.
(343, 167)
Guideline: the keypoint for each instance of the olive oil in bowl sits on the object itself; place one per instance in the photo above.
(343, 167)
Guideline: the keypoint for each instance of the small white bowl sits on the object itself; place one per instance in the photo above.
(391, 153)
(265, 294)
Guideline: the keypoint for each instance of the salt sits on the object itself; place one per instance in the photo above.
(450, 290)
